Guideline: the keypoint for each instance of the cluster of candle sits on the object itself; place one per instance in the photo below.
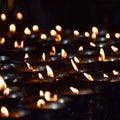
(58, 74)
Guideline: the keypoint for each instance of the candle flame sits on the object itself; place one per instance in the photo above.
(2, 41)
(6, 91)
(102, 55)
(80, 48)
(117, 35)
(76, 60)
(92, 44)
(53, 33)
(87, 34)
(63, 53)
(105, 75)
(58, 38)
(4, 111)
(43, 36)
(74, 65)
(107, 35)
(40, 76)
(49, 71)
(115, 49)
(3, 85)
(3, 17)
(115, 72)
(29, 66)
(40, 103)
(74, 90)
(12, 28)
(43, 57)
(88, 76)
(21, 45)
(27, 31)
(95, 30)
(26, 56)
(93, 36)
(41, 93)
(76, 33)
(19, 16)
(53, 51)
(58, 28)
(35, 28)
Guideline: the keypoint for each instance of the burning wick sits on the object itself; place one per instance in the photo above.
(4, 112)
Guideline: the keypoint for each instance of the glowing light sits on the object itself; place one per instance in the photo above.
(49, 71)
(12, 28)
(19, 16)
(4, 112)
(74, 90)
(88, 76)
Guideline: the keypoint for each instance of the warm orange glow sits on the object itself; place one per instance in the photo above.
(3, 85)
(105, 75)
(40, 76)
(63, 53)
(53, 32)
(102, 55)
(53, 51)
(74, 90)
(58, 28)
(26, 56)
(19, 16)
(35, 28)
(92, 44)
(21, 45)
(41, 93)
(76, 60)
(2, 41)
(87, 34)
(117, 35)
(43, 57)
(6, 91)
(95, 30)
(107, 35)
(50, 97)
(40, 103)
(88, 76)
(4, 111)
(93, 36)
(80, 48)
(115, 49)
(3, 17)
(74, 65)
(58, 38)
(12, 28)
(115, 72)
(43, 36)
(29, 66)
(76, 33)
(27, 31)
(49, 71)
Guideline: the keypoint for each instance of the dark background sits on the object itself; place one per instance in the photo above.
(79, 14)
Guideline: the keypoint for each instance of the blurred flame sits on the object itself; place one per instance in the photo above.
(40, 76)
(21, 45)
(76, 60)
(58, 28)
(43, 57)
(6, 91)
(53, 32)
(3, 17)
(43, 36)
(58, 38)
(93, 36)
(49, 71)
(26, 56)
(63, 53)
(88, 76)
(92, 44)
(12, 28)
(74, 90)
(41, 93)
(3, 85)
(95, 30)
(19, 16)
(107, 35)
(2, 41)
(29, 66)
(115, 72)
(53, 51)
(115, 49)
(87, 34)
(74, 65)
(105, 75)
(76, 33)
(35, 28)
(80, 48)
(4, 111)
(117, 35)
(40, 103)
(102, 55)
(27, 31)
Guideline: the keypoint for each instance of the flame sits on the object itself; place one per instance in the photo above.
(53, 51)
(74, 90)
(58, 28)
(50, 97)
(80, 48)
(43, 36)
(53, 32)
(35, 28)
(63, 53)
(87, 34)
(3, 17)
(92, 44)
(21, 45)
(115, 49)
(58, 38)
(27, 31)
(26, 56)
(74, 65)
(40, 76)
(2, 41)
(29, 66)
(102, 55)
(3, 85)
(115, 72)
(12, 28)
(76, 60)
(43, 57)
(88, 76)
(19, 16)
(76, 33)
(105, 75)
(41, 93)
(4, 111)
(49, 71)
(6, 91)
(93, 36)
(117, 35)
(95, 30)
(107, 35)
(40, 103)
